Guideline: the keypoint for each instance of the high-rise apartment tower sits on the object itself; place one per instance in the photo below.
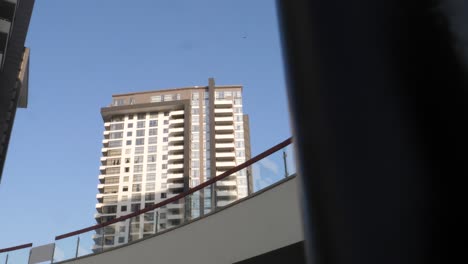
(158, 144)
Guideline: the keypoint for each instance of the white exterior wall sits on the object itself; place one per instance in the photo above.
(127, 179)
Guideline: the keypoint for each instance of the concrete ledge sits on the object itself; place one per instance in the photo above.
(265, 221)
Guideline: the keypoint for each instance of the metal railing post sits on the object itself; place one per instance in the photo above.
(286, 174)
(53, 253)
(214, 192)
(156, 221)
(102, 239)
(77, 246)
(29, 257)
(129, 230)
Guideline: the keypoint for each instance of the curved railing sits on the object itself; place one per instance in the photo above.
(184, 194)
(267, 167)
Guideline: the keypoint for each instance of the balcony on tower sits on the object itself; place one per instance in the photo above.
(176, 131)
(223, 103)
(224, 129)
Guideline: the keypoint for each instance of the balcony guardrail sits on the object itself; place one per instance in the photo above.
(177, 209)
(16, 254)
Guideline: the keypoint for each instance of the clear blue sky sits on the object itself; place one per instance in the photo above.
(84, 51)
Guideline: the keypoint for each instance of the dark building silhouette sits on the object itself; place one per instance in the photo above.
(14, 66)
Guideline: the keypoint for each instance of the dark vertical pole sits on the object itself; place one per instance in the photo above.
(129, 230)
(156, 222)
(286, 174)
(29, 258)
(53, 254)
(77, 246)
(250, 176)
(6, 260)
(370, 134)
(102, 238)
(212, 94)
(187, 154)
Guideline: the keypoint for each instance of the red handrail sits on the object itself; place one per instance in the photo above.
(15, 248)
(181, 195)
